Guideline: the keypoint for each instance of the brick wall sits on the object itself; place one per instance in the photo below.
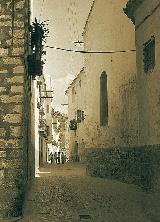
(13, 102)
(137, 165)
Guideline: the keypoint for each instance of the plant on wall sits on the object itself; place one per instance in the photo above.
(73, 124)
(54, 143)
(38, 34)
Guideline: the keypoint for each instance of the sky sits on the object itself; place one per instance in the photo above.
(66, 22)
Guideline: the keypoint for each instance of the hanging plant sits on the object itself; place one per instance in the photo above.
(54, 143)
(73, 124)
(39, 33)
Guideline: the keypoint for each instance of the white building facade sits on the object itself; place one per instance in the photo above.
(105, 89)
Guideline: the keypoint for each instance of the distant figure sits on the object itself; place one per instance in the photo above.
(76, 158)
(55, 157)
(51, 157)
(63, 158)
(59, 157)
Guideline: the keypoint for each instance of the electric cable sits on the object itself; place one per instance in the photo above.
(90, 52)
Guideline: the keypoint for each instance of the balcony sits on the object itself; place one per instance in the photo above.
(73, 125)
(41, 111)
(43, 130)
(38, 105)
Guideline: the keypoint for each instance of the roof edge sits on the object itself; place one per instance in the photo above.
(131, 7)
(74, 80)
(88, 17)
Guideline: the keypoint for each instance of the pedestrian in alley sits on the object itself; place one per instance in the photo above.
(59, 157)
(63, 158)
(51, 157)
(55, 157)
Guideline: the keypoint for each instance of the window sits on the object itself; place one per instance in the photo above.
(79, 117)
(83, 116)
(103, 100)
(47, 130)
(73, 94)
(47, 108)
(73, 124)
(149, 55)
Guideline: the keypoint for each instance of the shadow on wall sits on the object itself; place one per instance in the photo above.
(136, 165)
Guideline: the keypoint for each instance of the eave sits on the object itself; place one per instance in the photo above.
(90, 12)
(74, 80)
(131, 7)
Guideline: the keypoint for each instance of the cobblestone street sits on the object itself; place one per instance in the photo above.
(64, 193)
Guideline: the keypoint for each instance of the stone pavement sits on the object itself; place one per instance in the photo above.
(64, 193)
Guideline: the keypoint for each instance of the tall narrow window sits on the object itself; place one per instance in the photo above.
(79, 116)
(149, 55)
(73, 94)
(47, 108)
(103, 100)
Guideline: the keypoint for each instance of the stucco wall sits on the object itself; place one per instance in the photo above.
(77, 101)
(108, 29)
(122, 103)
(148, 84)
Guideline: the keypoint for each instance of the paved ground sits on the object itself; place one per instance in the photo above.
(66, 194)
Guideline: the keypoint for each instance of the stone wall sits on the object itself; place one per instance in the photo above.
(14, 122)
(137, 165)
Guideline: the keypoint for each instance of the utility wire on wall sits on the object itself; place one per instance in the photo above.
(90, 52)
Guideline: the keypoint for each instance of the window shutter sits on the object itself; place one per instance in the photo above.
(79, 117)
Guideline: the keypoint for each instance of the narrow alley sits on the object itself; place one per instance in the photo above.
(79, 111)
(64, 193)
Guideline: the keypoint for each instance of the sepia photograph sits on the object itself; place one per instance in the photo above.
(79, 111)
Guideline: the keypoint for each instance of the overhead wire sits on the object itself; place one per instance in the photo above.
(91, 52)
(72, 20)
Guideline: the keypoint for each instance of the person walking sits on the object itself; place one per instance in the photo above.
(63, 158)
(51, 157)
(59, 157)
(55, 157)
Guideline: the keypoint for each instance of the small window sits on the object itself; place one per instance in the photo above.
(47, 108)
(47, 130)
(149, 55)
(73, 94)
(83, 116)
(79, 116)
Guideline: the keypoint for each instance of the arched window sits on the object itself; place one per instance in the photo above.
(103, 99)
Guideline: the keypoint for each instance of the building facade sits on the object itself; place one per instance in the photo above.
(129, 126)
(44, 120)
(145, 15)
(59, 128)
(16, 164)
(77, 109)
(21, 61)
(102, 98)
